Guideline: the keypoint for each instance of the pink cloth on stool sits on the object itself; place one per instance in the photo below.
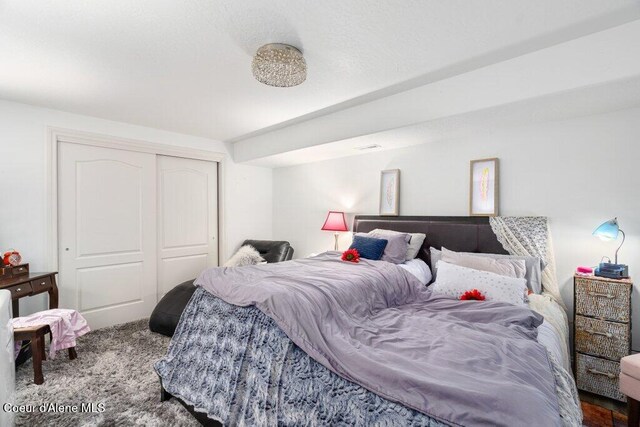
(66, 325)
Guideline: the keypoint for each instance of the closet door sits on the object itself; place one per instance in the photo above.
(107, 233)
(187, 219)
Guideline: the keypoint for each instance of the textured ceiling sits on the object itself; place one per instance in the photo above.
(185, 65)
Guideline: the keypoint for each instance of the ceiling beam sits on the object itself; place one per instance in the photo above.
(596, 59)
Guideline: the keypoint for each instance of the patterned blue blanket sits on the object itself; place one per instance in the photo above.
(236, 365)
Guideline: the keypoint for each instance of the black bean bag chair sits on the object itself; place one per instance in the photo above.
(166, 315)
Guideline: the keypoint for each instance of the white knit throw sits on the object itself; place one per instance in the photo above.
(530, 236)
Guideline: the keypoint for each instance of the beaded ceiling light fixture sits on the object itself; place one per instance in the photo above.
(279, 65)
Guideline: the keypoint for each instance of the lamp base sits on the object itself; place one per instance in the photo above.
(612, 271)
(335, 246)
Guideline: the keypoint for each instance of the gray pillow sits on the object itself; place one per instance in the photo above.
(397, 244)
(533, 265)
(415, 241)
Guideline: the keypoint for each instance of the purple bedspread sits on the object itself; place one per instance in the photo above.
(461, 362)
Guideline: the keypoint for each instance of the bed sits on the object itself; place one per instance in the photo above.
(308, 344)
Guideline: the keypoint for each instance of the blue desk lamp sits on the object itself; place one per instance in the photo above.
(609, 231)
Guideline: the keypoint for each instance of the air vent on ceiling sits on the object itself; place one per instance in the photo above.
(368, 147)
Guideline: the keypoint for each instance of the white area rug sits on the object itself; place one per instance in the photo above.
(114, 368)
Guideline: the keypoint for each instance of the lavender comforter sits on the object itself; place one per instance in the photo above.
(464, 363)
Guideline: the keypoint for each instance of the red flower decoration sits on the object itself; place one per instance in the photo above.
(351, 255)
(473, 294)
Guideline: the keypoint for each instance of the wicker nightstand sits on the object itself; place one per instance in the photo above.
(602, 333)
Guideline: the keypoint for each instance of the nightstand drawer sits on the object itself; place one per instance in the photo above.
(601, 338)
(599, 376)
(18, 291)
(603, 299)
(41, 285)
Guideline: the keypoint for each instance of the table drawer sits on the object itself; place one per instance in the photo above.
(20, 270)
(41, 285)
(21, 290)
(604, 300)
(601, 338)
(599, 376)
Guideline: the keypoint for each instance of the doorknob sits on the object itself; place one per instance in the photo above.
(66, 249)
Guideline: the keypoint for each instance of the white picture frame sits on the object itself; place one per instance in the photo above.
(484, 187)
(390, 192)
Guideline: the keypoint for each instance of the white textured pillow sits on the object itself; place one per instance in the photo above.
(532, 265)
(454, 280)
(417, 239)
(504, 267)
(246, 255)
(534, 269)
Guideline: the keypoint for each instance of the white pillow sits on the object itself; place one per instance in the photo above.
(504, 267)
(417, 239)
(454, 280)
(246, 255)
(419, 269)
(532, 265)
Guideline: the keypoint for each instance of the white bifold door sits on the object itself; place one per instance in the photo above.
(131, 226)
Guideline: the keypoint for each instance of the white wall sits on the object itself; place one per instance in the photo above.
(578, 172)
(23, 136)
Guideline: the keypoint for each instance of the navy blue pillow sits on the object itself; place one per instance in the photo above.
(368, 247)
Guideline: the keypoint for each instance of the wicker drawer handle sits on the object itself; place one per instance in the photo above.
(604, 334)
(606, 374)
(598, 294)
(18, 290)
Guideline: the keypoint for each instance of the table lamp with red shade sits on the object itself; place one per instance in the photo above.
(335, 222)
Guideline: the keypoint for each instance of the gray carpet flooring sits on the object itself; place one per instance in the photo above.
(114, 368)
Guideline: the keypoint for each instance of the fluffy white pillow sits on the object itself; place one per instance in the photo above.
(504, 267)
(246, 255)
(454, 280)
(415, 243)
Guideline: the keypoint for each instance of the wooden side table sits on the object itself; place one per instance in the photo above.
(602, 333)
(29, 284)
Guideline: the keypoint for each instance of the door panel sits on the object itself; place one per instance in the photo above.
(185, 208)
(187, 219)
(107, 233)
(103, 229)
(124, 282)
(176, 270)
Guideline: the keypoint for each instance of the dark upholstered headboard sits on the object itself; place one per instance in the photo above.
(458, 233)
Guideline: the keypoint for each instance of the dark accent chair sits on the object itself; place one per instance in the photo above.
(166, 315)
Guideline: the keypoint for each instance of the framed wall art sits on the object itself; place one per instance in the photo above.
(390, 192)
(484, 187)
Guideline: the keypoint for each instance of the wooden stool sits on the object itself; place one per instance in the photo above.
(36, 334)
